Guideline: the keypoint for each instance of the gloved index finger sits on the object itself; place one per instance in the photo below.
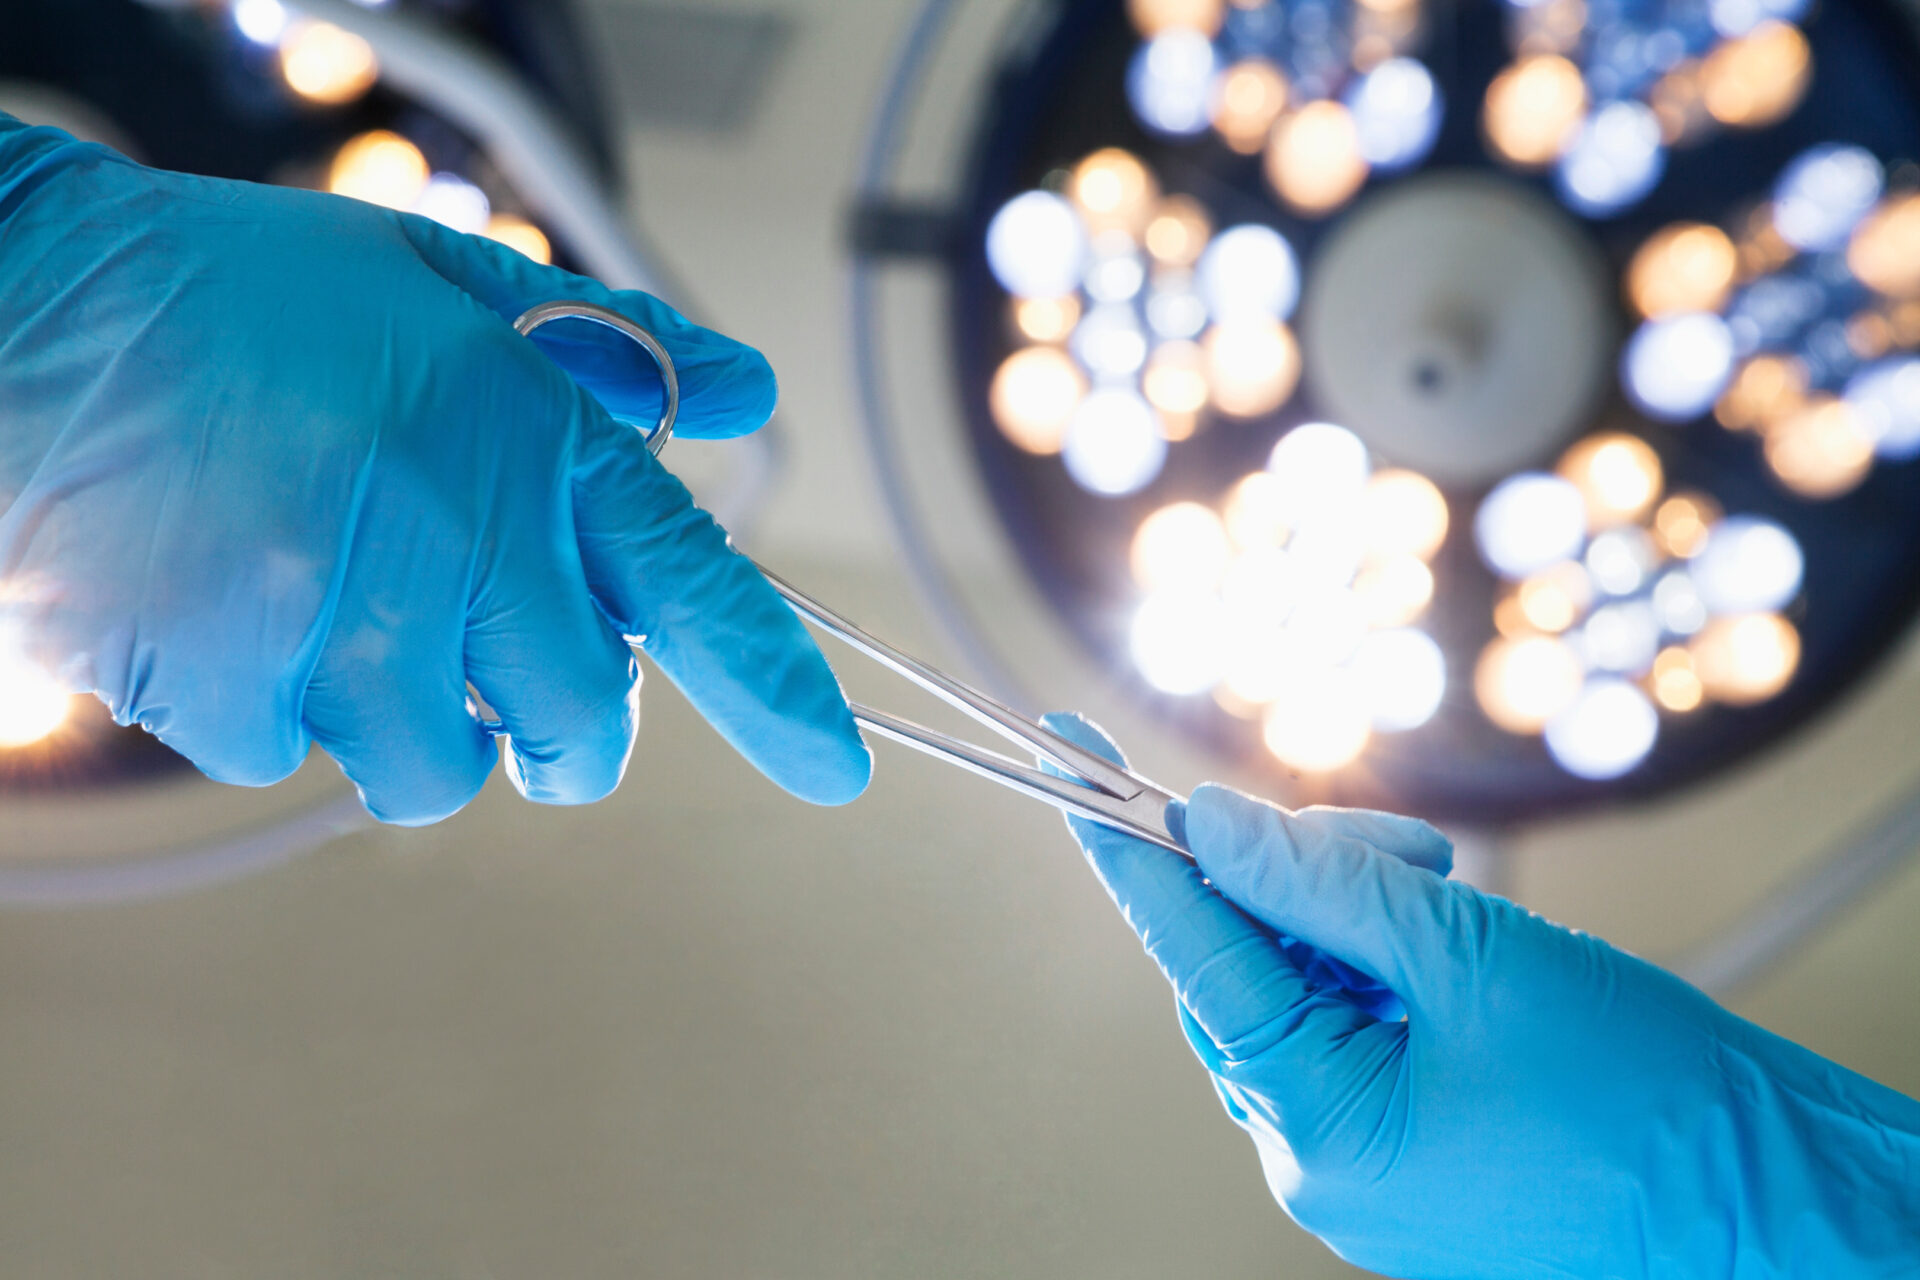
(727, 388)
(663, 571)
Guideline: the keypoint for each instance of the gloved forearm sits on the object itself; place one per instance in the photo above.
(1548, 1107)
(277, 470)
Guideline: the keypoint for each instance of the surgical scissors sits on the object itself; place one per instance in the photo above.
(1094, 788)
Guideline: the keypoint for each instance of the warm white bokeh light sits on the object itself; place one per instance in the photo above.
(1524, 682)
(1322, 471)
(1619, 477)
(1823, 450)
(1183, 544)
(1533, 107)
(1405, 514)
(1320, 721)
(521, 236)
(1404, 676)
(32, 704)
(1686, 266)
(1033, 398)
(380, 167)
(1252, 366)
(1394, 591)
(1255, 511)
(327, 65)
(1746, 659)
(1313, 158)
(1247, 99)
(1757, 79)
(1114, 191)
(1178, 641)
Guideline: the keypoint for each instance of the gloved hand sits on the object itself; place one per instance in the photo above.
(1549, 1107)
(275, 467)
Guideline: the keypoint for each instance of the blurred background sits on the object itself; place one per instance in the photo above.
(1497, 411)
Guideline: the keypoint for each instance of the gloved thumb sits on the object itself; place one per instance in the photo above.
(727, 388)
(1370, 894)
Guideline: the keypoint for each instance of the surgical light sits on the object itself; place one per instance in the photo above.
(1047, 319)
(1618, 475)
(1171, 82)
(521, 236)
(1404, 513)
(1153, 17)
(1533, 108)
(1396, 113)
(326, 65)
(454, 202)
(1109, 341)
(1035, 246)
(1885, 398)
(1113, 191)
(1749, 565)
(1322, 471)
(1034, 396)
(1764, 288)
(1113, 444)
(1176, 640)
(1249, 272)
(1404, 674)
(1609, 728)
(1686, 266)
(1822, 450)
(1313, 158)
(1884, 253)
(1676, 366)
(1252, 366)
(380, 167)
(1822, 196)
(1182, 544)
(1529, 522)
(261, 21)
(1319, 721)
(1523, 682)
(1613, 160)
(1756, 79)
(32, 704)
(1747, 659)
(1395, 591)
(1178, 231)
(1247, 99)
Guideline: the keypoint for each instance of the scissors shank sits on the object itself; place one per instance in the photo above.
(992, 713)
(1141, 815)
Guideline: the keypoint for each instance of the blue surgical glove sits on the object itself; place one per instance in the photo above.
(275, 468)
(1550, 1106)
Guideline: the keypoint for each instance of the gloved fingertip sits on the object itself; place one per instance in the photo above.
(420, 809)
(825, 763)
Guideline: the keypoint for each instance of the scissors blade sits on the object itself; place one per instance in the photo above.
(1142, 815)
(1096, 770)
